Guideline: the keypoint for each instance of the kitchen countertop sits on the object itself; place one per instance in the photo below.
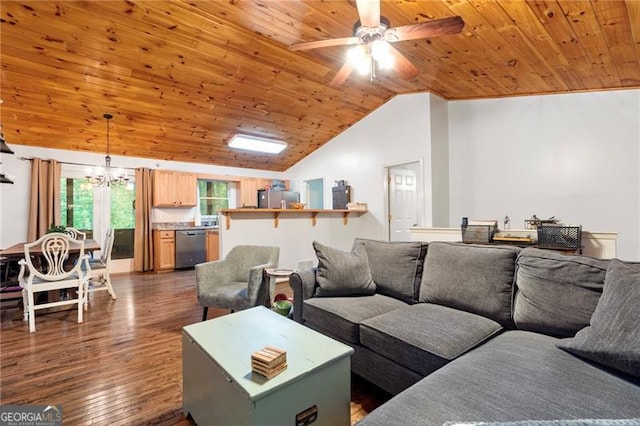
(180, 226)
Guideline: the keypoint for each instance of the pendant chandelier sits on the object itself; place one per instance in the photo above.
(105, 176)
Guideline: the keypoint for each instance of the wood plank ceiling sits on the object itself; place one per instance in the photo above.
(180, 77)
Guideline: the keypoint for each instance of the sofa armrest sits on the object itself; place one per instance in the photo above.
(303, 284)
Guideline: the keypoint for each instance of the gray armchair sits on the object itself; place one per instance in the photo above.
(236, 282)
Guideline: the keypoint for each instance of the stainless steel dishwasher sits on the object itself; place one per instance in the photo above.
(190, 248)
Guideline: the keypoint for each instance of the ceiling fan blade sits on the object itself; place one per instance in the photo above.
(402, 65)
(345, 41)
(445, 26)
(342, 75)
(369, 12)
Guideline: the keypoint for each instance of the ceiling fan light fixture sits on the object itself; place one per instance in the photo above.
(387, 62)
(380, 49)
(356, 54)
(257, 144)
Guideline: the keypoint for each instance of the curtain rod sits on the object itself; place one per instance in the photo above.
(76, 164)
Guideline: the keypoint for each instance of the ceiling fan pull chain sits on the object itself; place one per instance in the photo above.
(372, 75)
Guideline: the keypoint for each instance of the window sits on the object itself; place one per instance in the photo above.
(93, 210)
(123, 220)
(76, 196)
(213, 196)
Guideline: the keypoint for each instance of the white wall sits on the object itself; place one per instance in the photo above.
(439, 161)
(572, 156)
(396, 133)
(14, 199)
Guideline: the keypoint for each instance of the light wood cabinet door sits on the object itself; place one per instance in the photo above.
(186, 189)
(164, 250)
(163, 188)
(213, 246)
(264, 183)
(174, 189)
(248, 192)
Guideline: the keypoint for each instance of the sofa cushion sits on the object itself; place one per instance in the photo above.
(515, 376)
(341, 316)
(342, 273)
(474, 278)
(424, 337)
(396, 267)
(556, 293)
(613, 338)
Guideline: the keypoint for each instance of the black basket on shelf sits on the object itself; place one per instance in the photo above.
(477, 233)
(560, 237)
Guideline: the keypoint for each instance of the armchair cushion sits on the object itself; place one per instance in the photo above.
(342, 273)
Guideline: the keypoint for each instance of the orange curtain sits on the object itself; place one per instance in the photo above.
(44, 204)
(143, 241)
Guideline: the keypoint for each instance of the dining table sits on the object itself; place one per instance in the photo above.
(16, 251)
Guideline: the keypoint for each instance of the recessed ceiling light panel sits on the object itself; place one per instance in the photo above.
(254, 143)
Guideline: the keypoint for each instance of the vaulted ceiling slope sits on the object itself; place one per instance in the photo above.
(180, 77)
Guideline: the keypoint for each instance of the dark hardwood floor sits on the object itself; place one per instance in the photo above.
(122, 365)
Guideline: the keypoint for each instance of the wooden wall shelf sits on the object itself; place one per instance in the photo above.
(278, 213)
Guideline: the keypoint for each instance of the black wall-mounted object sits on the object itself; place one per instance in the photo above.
(5, 150)
(3, 145)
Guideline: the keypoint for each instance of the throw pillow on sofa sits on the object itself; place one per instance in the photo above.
(556, 293)
(474, 278)
(613, 338)
(396, 267)
(342, 273)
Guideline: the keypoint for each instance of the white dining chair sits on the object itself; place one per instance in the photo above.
(98, 271)
(55, 271)
(75, 234)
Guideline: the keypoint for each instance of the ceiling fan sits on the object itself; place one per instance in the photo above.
(372, 36)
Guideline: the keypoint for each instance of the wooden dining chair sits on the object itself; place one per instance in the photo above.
(98, 271)
(55, 271)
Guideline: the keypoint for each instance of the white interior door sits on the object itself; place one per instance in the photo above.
(404, 206)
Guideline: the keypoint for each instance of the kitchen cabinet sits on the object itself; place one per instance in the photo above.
(164, 250)
(263, 183)
(174, 189)
(248, 194)
(213, 245)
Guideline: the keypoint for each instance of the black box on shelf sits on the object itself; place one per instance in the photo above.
(560, 237)
(341, 196)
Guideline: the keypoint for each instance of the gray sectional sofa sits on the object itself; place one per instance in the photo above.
(478, 333)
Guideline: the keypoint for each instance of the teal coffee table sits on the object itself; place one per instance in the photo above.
(219, 387)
